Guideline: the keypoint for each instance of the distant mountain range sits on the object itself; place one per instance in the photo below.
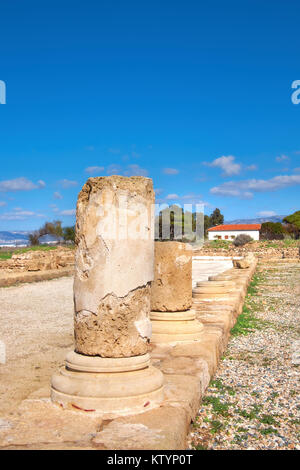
(14, 238)
(257, 220)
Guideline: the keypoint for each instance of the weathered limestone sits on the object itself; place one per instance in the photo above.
(114, 266)
(188, 368)
(244, 262)
(110, 369)
(213, 289)
(171, 290)
(171, 295)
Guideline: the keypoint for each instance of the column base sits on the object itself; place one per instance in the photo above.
(110, 386)
(174, 327)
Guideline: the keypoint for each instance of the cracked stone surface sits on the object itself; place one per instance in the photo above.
(172, 286)
(120, 325)
(112, 284)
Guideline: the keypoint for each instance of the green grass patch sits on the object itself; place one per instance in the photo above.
(220, 244)
(253, 284)
(4, 255)
(7, 254)
(267, 419)
(241, 429)
(216, 426)
(267, 431)
(246, 323)
(219, 407)
(218, 384)
(252, 414)
(199, 447)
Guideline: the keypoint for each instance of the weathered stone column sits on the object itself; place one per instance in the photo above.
(110, 371)
(172, 318)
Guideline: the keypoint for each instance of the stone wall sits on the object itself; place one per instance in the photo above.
(261, 249)
(39, 260)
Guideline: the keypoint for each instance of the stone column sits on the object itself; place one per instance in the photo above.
(172, 318)
(110, 371)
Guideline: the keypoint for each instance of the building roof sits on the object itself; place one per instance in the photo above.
(232, 228)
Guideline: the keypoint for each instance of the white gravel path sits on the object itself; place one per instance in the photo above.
(36, 328)
(253, 401)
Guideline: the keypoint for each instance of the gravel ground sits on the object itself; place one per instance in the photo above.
(253, 400)
(36, 329)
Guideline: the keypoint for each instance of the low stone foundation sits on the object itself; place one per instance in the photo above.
(187, 368)
(34, 266)
(8, 279)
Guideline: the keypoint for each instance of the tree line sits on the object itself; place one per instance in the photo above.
(290, 228)
(176, 224)
(67, 234)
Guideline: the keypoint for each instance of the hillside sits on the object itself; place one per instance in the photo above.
(257, 220)
(7, 238)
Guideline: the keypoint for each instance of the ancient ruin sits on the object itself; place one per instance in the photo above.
(171, 295)
(110, 371)
(122, 388)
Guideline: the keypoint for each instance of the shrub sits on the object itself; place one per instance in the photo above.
(242, 239)
(293, 219)
(34, 238)
(272, 231)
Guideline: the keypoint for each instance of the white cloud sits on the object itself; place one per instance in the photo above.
(282, 158)
(246, 188)
(170, 171)
(266, 213)
(54, 207)
(67, 183)
(90, 148)
(130, 170)
(57, 195)
(193, 198)
(19, 214)
(94, 169)
(227, 164)
(68, 212)
(114, 169)
(296, 170)
(135, 170)
(251, 167)
(20, 184)
(158, 191)
(2, 203)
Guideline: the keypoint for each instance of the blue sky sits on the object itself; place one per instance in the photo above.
(196, 95)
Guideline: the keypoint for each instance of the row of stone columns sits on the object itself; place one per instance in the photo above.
(171, 295)
(121, 286)
(110, 370)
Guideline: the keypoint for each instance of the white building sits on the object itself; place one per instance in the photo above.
(229, 232)
(50, 240)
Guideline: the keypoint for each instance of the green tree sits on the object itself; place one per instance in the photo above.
(216, 218)
(69, 233)
(207, 224)
(272, 231)
(52, 228)
(293, 219)
(34, 238)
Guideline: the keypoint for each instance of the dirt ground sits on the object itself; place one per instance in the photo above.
(36, 327)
